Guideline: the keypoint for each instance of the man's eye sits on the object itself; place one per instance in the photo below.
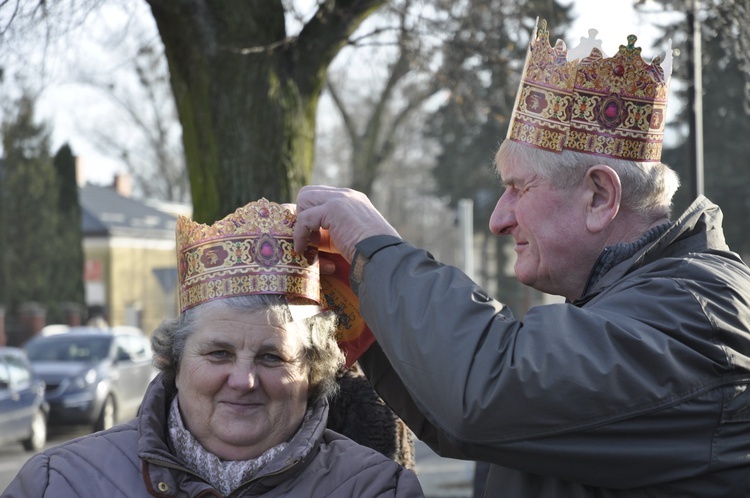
(511, 190)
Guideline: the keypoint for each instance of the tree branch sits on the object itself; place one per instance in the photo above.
(12, 15)
(348, 123)
(325, 34)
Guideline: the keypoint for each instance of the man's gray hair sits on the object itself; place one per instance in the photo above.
(324, 357)
(647, 187)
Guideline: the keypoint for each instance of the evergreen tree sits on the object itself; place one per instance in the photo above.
(30, 206)
(67, 281)
(725, 122)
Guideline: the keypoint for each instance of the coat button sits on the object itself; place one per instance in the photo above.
(163, 487)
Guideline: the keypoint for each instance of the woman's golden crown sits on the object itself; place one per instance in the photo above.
(251, 251)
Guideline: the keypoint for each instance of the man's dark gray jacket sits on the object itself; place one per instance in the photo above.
(638, 389)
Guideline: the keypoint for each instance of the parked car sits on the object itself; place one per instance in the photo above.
(23, 410)
(94, 376)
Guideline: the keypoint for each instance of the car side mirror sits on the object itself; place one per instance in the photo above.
(123, 355)
(4, 384)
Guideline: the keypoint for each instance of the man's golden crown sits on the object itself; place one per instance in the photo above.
(613, 107)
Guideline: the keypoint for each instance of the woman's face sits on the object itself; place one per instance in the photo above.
(242, 383)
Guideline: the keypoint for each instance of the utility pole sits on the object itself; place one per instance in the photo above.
(695, 96)
(466, 224)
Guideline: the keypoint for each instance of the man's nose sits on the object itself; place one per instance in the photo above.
(503, 217)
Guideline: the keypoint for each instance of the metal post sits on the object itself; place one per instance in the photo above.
(466, 224)
(695, 96)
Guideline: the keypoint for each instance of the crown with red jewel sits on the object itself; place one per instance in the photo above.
(584, 101)
(251, 251)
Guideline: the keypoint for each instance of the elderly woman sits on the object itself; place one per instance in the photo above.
(239, 407)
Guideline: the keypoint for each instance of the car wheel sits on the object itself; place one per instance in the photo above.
(107, 416)
(38, 436)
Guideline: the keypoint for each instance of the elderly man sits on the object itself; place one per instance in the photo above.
(637, 384)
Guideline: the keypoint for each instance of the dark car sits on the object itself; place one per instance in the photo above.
(23, 411)
(94, 376)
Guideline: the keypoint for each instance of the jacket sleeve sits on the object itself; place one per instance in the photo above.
(32, 480)
(571, 391)
(384, 379)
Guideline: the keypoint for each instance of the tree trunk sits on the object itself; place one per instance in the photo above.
(247, 95)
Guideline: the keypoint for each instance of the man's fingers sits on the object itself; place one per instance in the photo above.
(348, 214)
(302, 236)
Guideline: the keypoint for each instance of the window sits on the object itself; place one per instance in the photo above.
(4, 375)
(138, 348)
(19, 372)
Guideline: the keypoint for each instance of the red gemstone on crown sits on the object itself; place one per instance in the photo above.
(611, 111)
(266, 250)
(263, 212)
(619, 70)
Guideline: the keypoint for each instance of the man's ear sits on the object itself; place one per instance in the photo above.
(605, 192)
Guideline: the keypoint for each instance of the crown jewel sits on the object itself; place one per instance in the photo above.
(612, 107)
(248, 252)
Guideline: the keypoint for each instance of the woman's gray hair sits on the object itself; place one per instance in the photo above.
(647, 187)
(324, 357)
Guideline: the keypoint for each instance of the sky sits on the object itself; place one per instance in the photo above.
(614, 20)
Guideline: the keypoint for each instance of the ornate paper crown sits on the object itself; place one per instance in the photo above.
(612, 107)
(248, 252)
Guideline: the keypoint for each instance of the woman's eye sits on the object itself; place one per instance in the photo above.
(219, 354)
(270, 358)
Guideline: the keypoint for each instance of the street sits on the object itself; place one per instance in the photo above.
(443, 477)
(440, 477)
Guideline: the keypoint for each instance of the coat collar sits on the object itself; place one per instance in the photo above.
(698, 229)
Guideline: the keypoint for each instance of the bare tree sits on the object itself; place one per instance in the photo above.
(143, 132)
(110, 59)
(374, 129)
(246, 90)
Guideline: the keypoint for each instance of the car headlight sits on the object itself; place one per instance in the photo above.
(85, 380)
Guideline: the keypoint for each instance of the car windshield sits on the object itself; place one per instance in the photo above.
(88, 349)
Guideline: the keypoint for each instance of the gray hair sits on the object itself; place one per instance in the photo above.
(647, 187)
(324, 357)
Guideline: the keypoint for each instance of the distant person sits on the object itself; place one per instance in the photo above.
(639, 384)
(240, 406)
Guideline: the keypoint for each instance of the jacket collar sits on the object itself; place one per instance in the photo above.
(698, 229)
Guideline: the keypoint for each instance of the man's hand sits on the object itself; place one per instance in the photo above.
(347, 215)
